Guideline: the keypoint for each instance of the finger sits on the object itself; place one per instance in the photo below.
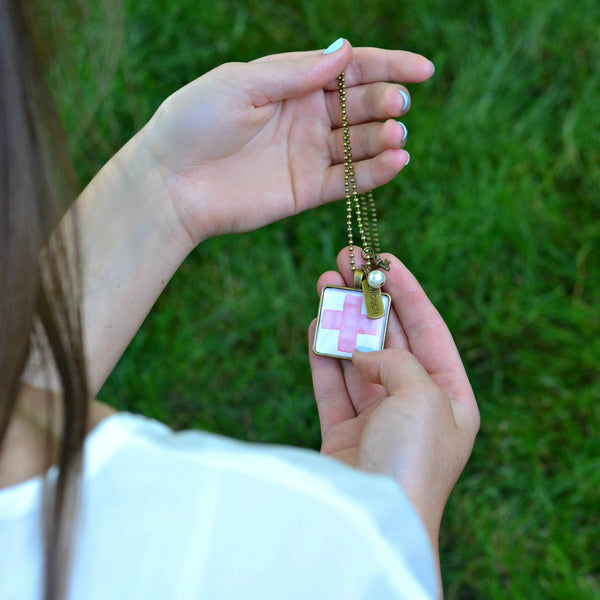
(296, 55)
(367, 140)
(293, 55)
(395, 337)
(369, 174)
(405, 378)
(291, 76)
(423, 324)
(329, 278)
(333, 402)
(429, 338)
(364, 103)
(397, 370)
(369, 65)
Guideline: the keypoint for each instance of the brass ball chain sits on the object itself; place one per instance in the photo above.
(364, 205)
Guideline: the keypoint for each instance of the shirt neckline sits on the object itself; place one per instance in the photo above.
(22, 497)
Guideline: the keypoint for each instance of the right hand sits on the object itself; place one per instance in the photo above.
(407, 411)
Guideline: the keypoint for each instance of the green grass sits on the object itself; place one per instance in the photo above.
(497, 215)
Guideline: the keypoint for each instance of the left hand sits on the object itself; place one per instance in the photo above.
(247, 144)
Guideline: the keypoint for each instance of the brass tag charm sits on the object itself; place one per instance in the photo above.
(373, 301)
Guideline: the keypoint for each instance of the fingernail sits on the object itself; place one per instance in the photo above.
(364, 349)
(405, 130)
(408, 159)
(406, 100)
(335, 46)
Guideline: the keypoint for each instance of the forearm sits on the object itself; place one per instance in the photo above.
(131, 243)
(431, 519)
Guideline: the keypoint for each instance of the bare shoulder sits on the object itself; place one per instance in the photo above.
(24, 451)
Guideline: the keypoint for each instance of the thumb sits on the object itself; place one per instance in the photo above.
(396, 369)
(296, 74)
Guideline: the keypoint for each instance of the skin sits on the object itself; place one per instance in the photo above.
(407, 411)
(238, 148)
(24, 450)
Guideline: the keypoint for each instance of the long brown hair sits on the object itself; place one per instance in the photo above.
(39, 273)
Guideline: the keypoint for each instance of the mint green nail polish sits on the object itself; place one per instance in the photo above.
(335, 46)
(405, 130)
(406, 100)
(364, 349)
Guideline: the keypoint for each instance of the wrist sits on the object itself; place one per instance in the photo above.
(431, 519)
(180, 194)
(131, 244)
(148, 188)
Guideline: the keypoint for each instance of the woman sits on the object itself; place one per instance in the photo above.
(152, 514)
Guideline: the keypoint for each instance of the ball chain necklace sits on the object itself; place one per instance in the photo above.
(357, 316)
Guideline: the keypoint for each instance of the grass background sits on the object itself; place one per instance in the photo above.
(497, 215)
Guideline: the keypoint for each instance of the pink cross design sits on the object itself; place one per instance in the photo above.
(350, 322)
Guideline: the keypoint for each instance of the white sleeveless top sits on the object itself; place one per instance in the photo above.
(191, 515)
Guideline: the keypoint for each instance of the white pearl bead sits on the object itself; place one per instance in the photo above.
(376, 279)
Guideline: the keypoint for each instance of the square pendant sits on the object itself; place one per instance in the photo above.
(343, 324)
